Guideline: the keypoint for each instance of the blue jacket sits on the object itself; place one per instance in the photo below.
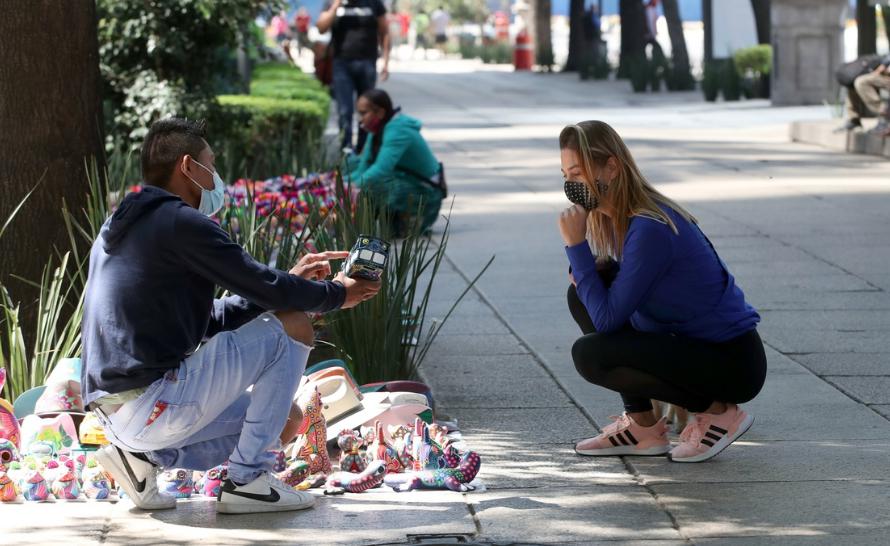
(149, 298)
(666, 283)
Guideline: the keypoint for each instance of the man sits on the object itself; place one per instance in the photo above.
(864, 79)
(440, 21)
(359, 30)
(149, 302)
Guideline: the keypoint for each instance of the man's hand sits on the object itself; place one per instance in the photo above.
(384, 73)
(573, 225)
(317, 267)
(357, 290)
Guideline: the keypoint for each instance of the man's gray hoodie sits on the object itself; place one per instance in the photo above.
(149, 300)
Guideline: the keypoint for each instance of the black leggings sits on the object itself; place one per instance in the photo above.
(683, 371)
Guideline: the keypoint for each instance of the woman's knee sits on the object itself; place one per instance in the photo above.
(297, 326)
(588, 356)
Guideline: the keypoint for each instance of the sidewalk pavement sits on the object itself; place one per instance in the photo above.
(804, 230)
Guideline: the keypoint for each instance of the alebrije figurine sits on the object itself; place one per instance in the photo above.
(401, 437)
(9, 425)
(66, 486)
(381, 450)
(455, 479)
(370, 478)
(8, 490)
(310, 446)
(176, 482)
(33, 486)
(280, 462)
(8, 452)
(213, 479)
(351, 457)
(95, 483)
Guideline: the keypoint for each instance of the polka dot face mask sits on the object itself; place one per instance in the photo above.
(579, 193)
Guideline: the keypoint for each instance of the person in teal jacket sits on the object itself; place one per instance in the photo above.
(396, 166)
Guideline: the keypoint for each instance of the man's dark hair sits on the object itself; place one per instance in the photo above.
(166, 142)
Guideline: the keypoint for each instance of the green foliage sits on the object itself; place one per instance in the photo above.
(754, 61)
(731, 82)
(710, 83)
(169, 58)
(639, 70)
(496, 53)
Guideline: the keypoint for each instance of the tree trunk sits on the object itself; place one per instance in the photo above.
(544, 41)
(763, 20)
(867, 23)
(633, 34)
(576, 35)
(679, 54)
(885, 13)
(50, 114)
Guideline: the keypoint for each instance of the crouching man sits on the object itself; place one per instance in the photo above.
(149, 304)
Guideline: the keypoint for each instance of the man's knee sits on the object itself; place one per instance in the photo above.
(297, 326)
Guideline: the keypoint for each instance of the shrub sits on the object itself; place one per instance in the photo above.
(754, 61)
(639, 72)
(732, 83)
(710, 83)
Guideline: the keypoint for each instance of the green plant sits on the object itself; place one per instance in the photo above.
(732, 83)
(387, 337)
(639, 72)
(754, 61)
(710, 83)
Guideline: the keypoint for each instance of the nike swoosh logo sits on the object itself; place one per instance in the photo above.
(273, 496)
(140, 486)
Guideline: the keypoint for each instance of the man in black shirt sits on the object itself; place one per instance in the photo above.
(358, 32)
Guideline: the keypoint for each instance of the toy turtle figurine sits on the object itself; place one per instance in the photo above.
(455, 479)
(351, 482)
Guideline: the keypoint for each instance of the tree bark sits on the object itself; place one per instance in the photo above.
(763, 20)
(50, 114)
(543, 37)
(679, 54)
(576, 35)
(633, 34)
(867, 24)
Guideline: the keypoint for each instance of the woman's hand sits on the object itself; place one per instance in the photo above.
(573, 225)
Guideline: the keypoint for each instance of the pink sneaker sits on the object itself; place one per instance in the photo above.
(624, 437)
(707, 435)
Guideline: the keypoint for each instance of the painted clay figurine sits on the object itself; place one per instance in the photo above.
(381, 450)
(66, 487)
(351, 457)
(8, 452)
(33, 486)
(9, 425)
(310, 448)
(455, 479)
(8, 490)
(176, 482)
(95, 483)
(212, 480)
(356, 483)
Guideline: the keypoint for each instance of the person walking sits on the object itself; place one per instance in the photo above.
(440, 20)
(359, 33)
(661, 314)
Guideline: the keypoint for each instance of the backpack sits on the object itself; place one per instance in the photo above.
(848, 72)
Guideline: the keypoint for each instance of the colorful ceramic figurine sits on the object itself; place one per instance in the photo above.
(33, 486)
(8, 452)
(177, 482)
(95, 484)
(357, 483)
(212, 480)
(66, 486)
(455, 479)
(9, 425)
(8, 490)
(381, 450)
(280, 462)
(310, 447)
(351, 457)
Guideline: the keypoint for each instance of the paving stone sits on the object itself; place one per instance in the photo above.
(478, 345)
(870, 390)
(860, 364)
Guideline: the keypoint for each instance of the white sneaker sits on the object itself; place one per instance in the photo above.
(138, 478)
(264, 494)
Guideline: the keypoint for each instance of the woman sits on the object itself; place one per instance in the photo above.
(396, 165)
(662, 316)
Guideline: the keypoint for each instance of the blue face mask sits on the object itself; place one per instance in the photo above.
(211, 200)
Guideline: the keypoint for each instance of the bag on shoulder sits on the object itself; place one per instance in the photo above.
(848, 72)
(438, 183)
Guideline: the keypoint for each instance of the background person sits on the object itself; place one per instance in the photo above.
(864, 79)
(359, 32)
(397, 166)
(665, 319)
(439, 20)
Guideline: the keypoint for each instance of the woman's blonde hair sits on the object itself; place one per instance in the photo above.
(630, 194)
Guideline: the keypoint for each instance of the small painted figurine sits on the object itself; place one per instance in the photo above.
(381, 450)
(310, 447)
(66, 487)
(280, 462)
(95, 483)
(9, 425)
(8, 490)
(357, 483)
(351, 457)
(212, 480)
(8, 452)
(455, 479)
(33, 486)
(176, 482)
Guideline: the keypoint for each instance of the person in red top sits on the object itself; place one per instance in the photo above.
(302, 21)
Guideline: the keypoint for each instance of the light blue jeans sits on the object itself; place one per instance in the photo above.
(201, 414)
